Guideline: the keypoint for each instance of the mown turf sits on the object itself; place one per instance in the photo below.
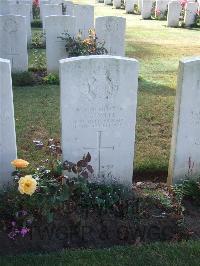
(158, 50)
(155, 254)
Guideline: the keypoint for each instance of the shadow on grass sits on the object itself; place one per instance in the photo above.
(141, 50)
(155, 88)
(151, 174)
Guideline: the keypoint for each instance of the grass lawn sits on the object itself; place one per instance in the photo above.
(154, 254)
(158, 50)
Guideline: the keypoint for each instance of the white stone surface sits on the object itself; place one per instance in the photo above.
(13, 41)
(8, 150)
(49, 10)
(107, 2)
(69, 8)
(84, 18)
(190, 13)
(174, 10)
(22, 8)
(25, 11)
(146, 8)
(139, 3)
(161, 6)
(117, 3)
(185, 146)
(55, 47)
(129, 5)
(98, 113)
(111, 30)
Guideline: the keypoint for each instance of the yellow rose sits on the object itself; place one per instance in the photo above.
(19, 163)
(27, 185)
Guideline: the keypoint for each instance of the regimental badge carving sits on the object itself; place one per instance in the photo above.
(100, 89)
(10, 26)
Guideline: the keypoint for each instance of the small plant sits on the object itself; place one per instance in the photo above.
(51, 79)
(157, 14)
(36, 9)
(189, 189)
(36, 23)
(38, 61)
(38, 40)
(76, 46)
(23, 79)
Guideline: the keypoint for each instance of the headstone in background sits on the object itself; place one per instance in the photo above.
(129, 5)
(146, 8)
(161, 8)
(84, 19)
(69, 6)
(117, 3)
(190, 13)
(49, 10)
(111, 30)
(185, 145)
(13, 36)
(55, 47)
(173, 16)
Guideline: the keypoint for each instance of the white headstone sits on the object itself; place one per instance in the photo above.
(107, 2)
(117, 3)
(69, 8)
(98, 113)
(13, 38)
(174, 10)
(84, 19)
(190, 13)
(129, 5)
(49, 10)
(161, 8)
(25, 11)
(8, 150)
(55, 47)
(111, 30)
(146, 8)
(185, 147)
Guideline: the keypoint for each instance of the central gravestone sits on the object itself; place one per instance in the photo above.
(98, 110)
(8, 150)
(185, 148)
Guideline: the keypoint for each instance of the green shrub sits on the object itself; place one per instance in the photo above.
(23, 79)
(76, 46)
(37, 23)
(38, 40)
(38, 61)
(51, 79)
(189, 189)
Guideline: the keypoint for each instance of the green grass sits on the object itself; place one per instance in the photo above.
(158, 50)
(155, 254)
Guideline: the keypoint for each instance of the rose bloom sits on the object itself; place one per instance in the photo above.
(27, 185)
(19, 163)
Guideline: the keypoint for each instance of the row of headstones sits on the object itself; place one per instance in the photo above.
(173, 8)
(13, 40)
(98, 115)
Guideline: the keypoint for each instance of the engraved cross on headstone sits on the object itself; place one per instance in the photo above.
(99, 148)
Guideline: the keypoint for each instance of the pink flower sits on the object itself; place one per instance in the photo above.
(157, 11)
(24, 231)
(183, 2)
